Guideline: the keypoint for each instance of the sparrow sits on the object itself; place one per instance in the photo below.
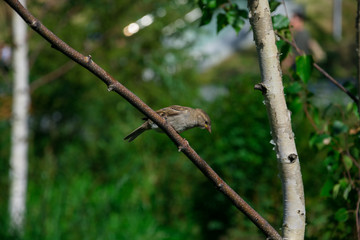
(179, 117)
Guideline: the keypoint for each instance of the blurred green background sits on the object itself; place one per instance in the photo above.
(85, 182)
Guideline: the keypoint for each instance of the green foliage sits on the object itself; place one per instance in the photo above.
(341, 215)
(222, 21)
(230, 14)
(280, 22)
(338, 188)
(336, 137)
(283, 48)
(230, 18)
(274, 4)
(207, 8)
(85, 182)
(304, 67)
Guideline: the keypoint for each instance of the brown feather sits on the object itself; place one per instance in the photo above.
(134, 134)
(169, 111)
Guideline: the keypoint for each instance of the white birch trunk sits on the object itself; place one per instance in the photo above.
(19, 134)
(280, 120)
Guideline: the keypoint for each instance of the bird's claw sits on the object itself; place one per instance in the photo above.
(185, 145)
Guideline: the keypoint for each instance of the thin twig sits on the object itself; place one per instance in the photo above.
(352, 159)
(311, 120)
(321, 70)
(114, 85)
(51, 76)
(285, 8)
(341, 87)
(347, 172)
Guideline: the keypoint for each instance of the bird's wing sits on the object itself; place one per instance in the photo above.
(170, 111)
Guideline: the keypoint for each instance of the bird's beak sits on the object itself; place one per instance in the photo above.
(207, 127)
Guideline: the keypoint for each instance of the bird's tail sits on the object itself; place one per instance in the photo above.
(135, 133)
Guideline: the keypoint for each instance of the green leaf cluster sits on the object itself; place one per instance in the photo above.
(228, 14)
(280, 22)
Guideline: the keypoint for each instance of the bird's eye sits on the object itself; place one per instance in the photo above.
(206, 122)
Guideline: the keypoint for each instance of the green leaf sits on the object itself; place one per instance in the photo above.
(243, 13)
(296, 105)
(339, 127)
(347, 162)
(355, 152)
(207, 8)
(238, 25)
(343, 183)
(331, 162)
(319, 140)
(336, 190)
(280, 43)
(341, 215)
(294, 88)
(304, 67)
(326, 189)
(235, 17)
(346, 192)
(284, 48)
(222, 21)
(316, 117)
(273, 5)
(206, 16)
(232, 15)
(280, 22)
(211, 4)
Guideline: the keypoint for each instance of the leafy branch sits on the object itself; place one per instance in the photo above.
(230, 14)
(321, 70)
(113, 85)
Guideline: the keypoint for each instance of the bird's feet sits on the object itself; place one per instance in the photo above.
(183, 146)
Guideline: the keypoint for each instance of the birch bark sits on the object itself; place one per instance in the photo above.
(280, 120)
(19, 134)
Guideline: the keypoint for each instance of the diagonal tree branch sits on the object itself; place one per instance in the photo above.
(117, 87)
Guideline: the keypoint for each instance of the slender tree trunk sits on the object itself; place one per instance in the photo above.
(280, 120)
(19, 134)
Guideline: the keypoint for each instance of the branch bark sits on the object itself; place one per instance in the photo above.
(113, 85)
(280, 120)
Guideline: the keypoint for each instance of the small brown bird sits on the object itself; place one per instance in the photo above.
(179, 117)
